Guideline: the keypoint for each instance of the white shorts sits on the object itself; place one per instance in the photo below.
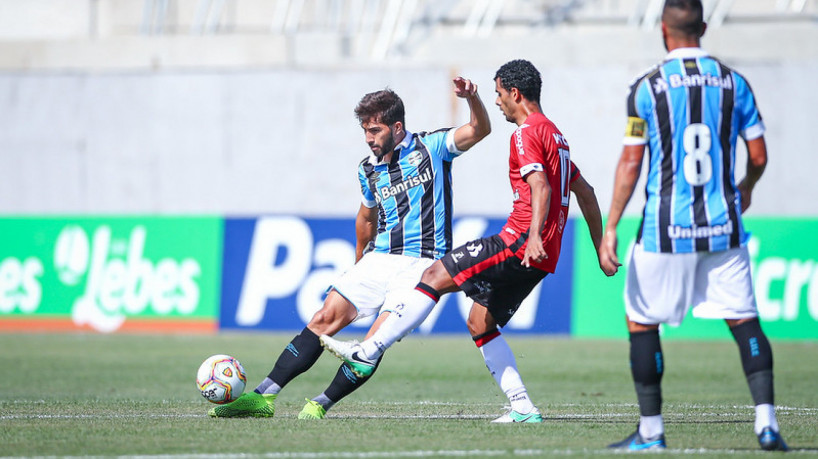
(662, 287)
(379, 280)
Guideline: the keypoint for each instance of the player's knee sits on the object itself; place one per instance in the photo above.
(436, 277)
(330, 320)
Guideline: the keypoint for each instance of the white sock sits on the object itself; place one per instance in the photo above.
(503, 367)
(651, 426)
(765, 417)
(403, 318)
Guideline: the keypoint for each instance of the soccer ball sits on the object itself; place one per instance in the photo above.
(221, 379)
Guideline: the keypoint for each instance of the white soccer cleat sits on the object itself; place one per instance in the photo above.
(514, 416)
(351, 353)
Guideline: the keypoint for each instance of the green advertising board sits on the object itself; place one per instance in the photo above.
(784, 257)
(110, 273)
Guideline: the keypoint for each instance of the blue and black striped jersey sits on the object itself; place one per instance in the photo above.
(689, 110)
(413, 193)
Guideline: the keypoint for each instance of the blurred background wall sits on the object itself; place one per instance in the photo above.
(235, 107)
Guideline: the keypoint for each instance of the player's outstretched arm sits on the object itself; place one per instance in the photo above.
(366, 228)
(627, 174)
(756, 163)
(479, 126)
(588, 204)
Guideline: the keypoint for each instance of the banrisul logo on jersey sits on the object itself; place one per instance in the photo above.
(784, 261)
(277, 270)
(109, 274)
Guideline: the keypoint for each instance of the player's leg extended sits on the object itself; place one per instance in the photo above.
(416, 306)
(403, 318)
(344, 383)
(305, 349)
(502, 365)
(297, 357)
(757, 362)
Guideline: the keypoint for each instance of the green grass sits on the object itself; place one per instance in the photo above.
(113, 395)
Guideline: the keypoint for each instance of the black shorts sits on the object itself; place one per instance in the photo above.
(490, 274)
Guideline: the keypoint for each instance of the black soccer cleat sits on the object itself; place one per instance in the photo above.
(635, 442)
(770, 440)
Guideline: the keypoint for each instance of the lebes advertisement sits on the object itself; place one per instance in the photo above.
(110, 274)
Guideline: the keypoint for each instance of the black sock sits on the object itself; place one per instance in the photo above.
(647, 368)
(756, 360)
(346, 382)
(302, 352)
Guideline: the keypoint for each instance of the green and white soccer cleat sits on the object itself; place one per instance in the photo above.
(351, 353)
(250, 404)
(515, 416)
(312, 410)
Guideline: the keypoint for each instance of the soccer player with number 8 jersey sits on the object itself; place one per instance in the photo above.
(691, 249)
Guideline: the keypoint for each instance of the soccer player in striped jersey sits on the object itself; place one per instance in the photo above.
(404, 223)
(498, 272)
(691, 246)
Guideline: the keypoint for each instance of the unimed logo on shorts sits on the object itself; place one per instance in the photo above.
(276, 272)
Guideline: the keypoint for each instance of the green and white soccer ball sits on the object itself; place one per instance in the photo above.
(221, 379)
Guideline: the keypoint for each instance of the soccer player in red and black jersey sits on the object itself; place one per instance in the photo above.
(499, 271)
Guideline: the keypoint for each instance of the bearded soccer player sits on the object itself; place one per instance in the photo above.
(691, 246)
(404, 224)
(498, 272)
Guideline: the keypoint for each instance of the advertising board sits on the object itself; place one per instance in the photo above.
(109, 273)
(277, 270)
(784, 261)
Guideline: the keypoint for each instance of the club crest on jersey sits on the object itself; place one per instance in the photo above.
(562, 220)
(414, 158)
(474, 248)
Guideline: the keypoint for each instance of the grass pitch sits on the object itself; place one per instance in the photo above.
(129, 395)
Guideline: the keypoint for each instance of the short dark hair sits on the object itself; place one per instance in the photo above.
(381, 106)
(686, 17)
(522, 75)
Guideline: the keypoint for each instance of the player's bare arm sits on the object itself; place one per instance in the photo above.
(540, 200)
(627, 174)
(756, 163)
(366, 228)
(588, 204)
(479, 126)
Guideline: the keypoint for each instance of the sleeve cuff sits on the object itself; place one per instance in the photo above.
(753, 132)
(450, 145)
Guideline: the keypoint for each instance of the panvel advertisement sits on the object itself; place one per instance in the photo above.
(784, 261)
(277, 269)
(107, 274)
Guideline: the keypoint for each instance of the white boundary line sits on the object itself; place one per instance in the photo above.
(425, 453)
(718, 412)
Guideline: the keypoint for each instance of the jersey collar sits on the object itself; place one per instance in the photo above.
(405, 143)
(686, 53)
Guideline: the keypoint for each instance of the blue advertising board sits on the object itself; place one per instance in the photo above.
(277, 269)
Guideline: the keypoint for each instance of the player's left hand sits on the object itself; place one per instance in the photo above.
(464, 87)
(746, 195)
(534, 252)
(608, 260)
